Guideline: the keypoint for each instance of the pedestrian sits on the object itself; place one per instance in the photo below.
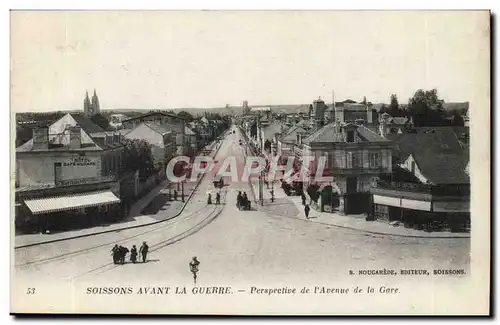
(144, 251)
(115, 251)
(303, 199)
(175, 195)
(123, 253)
(209, 201)
(217, 198)
(306, 210)
(133, 254)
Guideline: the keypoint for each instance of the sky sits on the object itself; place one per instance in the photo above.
(201, 59)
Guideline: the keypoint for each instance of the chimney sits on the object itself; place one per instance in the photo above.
(369, 114)
(41, 138)
(75, 141)
(319, 113)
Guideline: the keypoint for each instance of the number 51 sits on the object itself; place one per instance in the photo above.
(31, 291)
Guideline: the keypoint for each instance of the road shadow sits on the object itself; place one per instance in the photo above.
(160, 203)
(139, 262)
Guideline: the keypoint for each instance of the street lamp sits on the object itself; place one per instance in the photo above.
(182, 187)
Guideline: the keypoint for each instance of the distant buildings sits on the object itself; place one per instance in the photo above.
(174, 122)
(380, 165)
(162, 140)
(115, 120)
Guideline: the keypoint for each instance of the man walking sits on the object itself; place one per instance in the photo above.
(144, 251)
(303, 199)
(306, 211)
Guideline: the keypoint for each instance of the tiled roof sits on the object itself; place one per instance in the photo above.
(272, 129)
(442, 166)
(330, 133)
(438, 154)
(291, 134)
(153, 113)
(161, 129)
(303, 123)
(28, 146)
(368, 135)
(444, 137)
(352, 107)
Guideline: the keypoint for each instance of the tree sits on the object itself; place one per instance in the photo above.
(426, 108)
(185, 115)
(101, 121)
(364, 100)
(137, 155)
(394, 106)
(383, 109)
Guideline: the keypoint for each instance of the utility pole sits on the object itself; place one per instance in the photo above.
(261, 187)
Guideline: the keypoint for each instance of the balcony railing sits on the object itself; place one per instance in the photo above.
(81, 181)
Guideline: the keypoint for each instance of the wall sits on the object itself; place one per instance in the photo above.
(144, 132)
(337, 158)
(35, 168)
(111, 161)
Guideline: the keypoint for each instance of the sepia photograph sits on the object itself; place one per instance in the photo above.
(189, 162)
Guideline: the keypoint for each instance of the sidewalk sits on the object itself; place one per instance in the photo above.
(291, 207)
(148, 210)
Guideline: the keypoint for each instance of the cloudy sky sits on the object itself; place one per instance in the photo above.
(177, 59)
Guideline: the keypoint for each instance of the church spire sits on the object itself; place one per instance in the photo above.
(95, 104)
(86, 104)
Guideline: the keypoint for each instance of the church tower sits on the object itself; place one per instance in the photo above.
(96, 109)
(87, 108)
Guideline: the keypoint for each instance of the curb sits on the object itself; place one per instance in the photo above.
(124, 228)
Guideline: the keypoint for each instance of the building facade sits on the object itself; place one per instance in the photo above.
(172, 121)
(354, 157)
(73, 170)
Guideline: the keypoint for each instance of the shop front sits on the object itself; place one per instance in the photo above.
(58, 210)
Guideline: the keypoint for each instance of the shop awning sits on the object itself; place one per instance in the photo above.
(71, 202)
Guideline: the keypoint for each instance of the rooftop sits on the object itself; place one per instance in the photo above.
(331, 133)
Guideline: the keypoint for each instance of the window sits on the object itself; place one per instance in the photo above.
(374, 160)
(331, 160)
(350, 136)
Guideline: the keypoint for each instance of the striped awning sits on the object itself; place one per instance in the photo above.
(71, 202)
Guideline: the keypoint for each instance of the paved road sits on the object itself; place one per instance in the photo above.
(235, 247)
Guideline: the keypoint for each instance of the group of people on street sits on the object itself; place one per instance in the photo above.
(243, 201)
(119, 253)
(217, 198)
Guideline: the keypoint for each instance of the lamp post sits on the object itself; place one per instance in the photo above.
(182, 189)
(261, 188)
(194, 268)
